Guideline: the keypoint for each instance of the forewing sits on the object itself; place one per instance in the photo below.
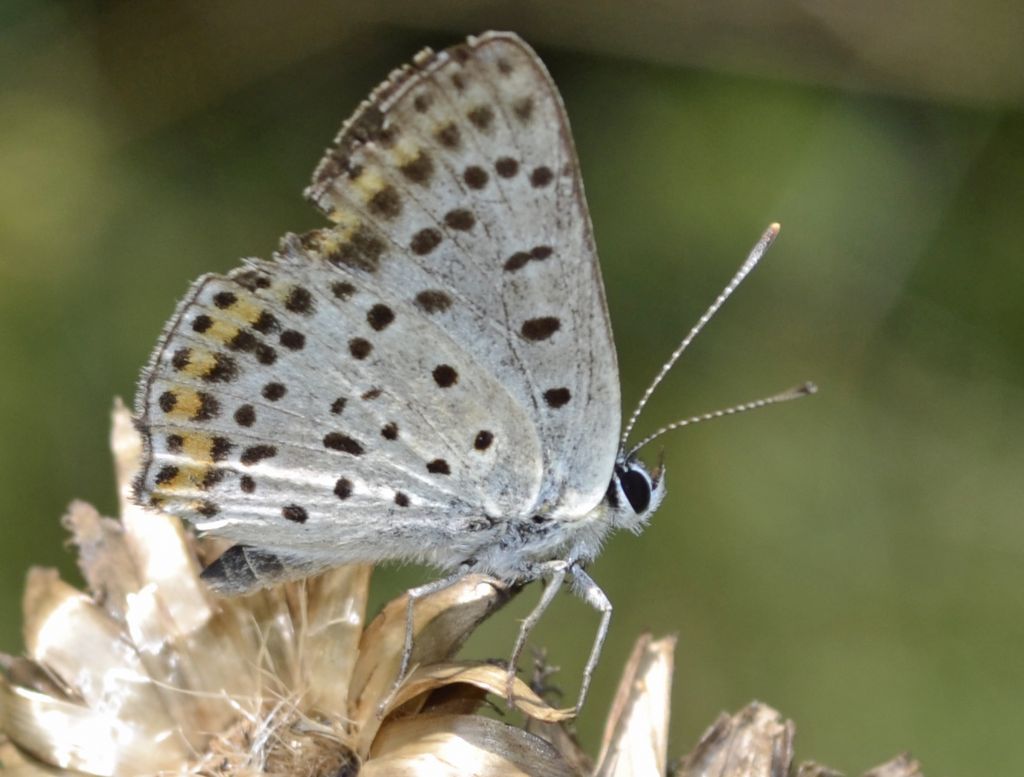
(476, 144)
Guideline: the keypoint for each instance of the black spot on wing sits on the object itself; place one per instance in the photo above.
(359, 347)
(208, 408)
(481, 117)
(445, 375)
(251, 280)
(266, 323)
(420, 169)
(523, 109)
(336, 441)
(380, 317)
(224, 299)
(475, 177)
(460, 219)
(292, 340)
(207, 508)
(433, 301)
(541, 177)
(449, 136)
(245, 415)
(166, 474)
(273, 391)
(386, 203)
(257, 453)
(342, 289)
(295, 513)
(557, 397)
(211, 478)
(220, 448)
(265, 355)
(343, 488)
(438, 467)
(425, 241)
(243, 340)
(541, 328)
(224, 369)
(506, 167)
(299, 300)
(362, 251)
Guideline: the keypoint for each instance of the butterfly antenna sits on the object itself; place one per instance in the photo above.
(751, 262)
(797, 392)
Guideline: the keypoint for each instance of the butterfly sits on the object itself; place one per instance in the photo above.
(429, 378)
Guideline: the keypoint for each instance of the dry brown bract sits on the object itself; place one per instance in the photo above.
(148, 674)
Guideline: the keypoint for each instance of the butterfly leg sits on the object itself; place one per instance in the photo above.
(554, 572)
(412, 596)
(584, 586)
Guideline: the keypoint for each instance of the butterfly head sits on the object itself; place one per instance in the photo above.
(635, 493)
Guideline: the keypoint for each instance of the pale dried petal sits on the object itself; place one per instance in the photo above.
(93, 741)
(330, 612)
(157, 546)
(755, 742)
(457, 699)
(457, 745)
(487, 677)
(13, 763)
(635, 742)
(198, 674)
(199, 654)
(26, 673)
(72, 638)
(102, 557)
(902, 765)
(172, 604)
(294, 645)
(443, 621)
(564, 741)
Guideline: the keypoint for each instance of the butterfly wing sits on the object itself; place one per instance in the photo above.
(481, 129)
(435, 364)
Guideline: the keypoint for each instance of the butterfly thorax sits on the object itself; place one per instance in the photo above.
(523, 545)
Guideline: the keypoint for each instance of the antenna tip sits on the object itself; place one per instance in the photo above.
(796, 392)
(774, 228)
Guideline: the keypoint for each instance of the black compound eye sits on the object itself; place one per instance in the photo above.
(637, 488)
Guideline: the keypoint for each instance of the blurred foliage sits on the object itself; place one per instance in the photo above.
(855, 560)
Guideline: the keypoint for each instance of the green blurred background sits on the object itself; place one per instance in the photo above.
(855, 559)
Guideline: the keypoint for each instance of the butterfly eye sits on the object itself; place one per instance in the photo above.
(637, 488)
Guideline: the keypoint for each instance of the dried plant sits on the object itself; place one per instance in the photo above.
(149, 674)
